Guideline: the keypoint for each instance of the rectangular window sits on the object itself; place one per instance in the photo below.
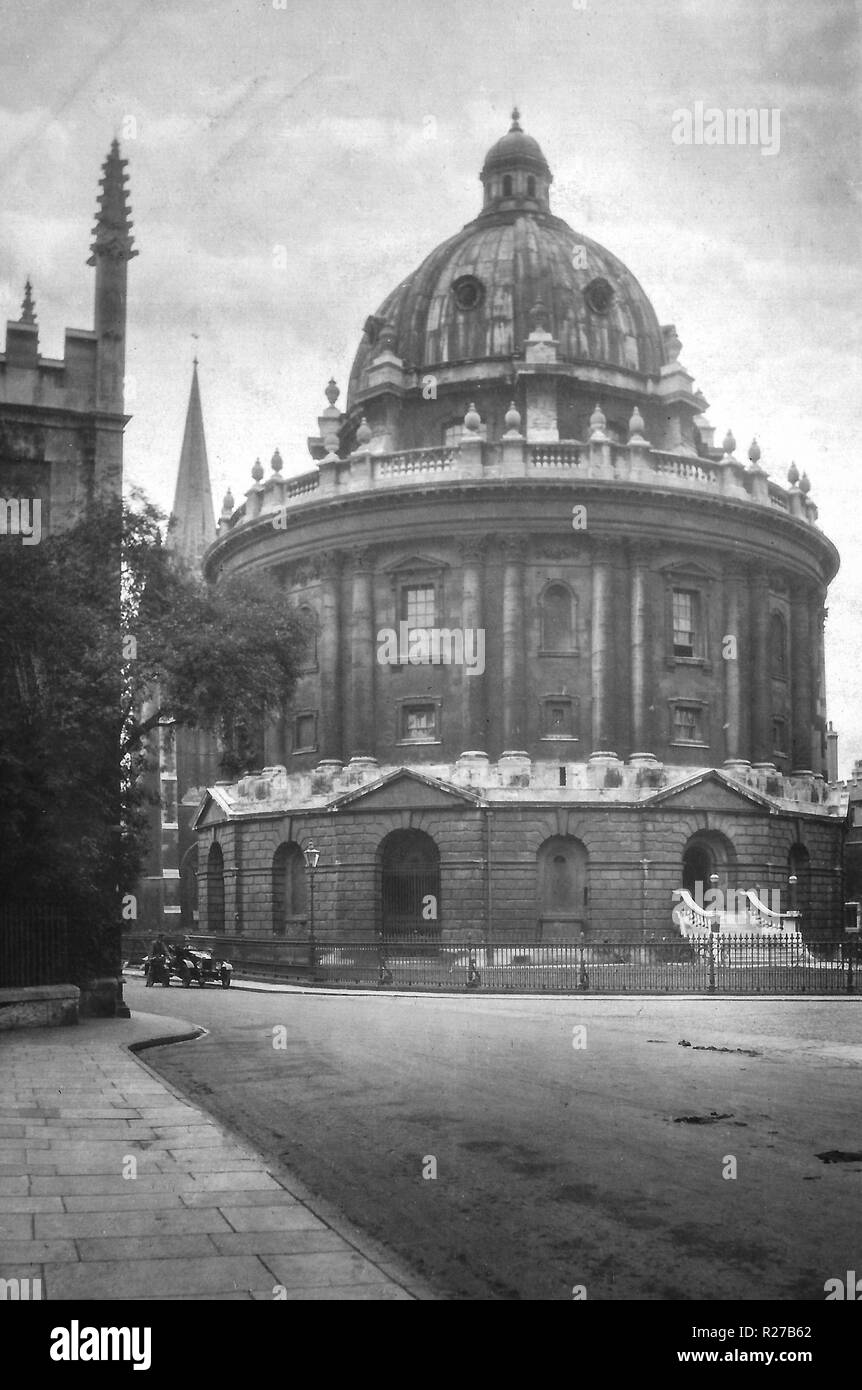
(779, 735)
(305, 733)
(558, 719)
(419, 723)
(169, 801)
(168, 747)
(418, 606)
(687, 724)
(686, 622)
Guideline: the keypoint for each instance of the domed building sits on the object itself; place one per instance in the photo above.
(567, 653)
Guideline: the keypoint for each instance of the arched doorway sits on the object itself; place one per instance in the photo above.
(563, 869)
(799, 893)
(707, 852)
(215, 888)
(410, 886)
(289, 890)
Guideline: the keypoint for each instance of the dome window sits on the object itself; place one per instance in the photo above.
(507, 185)
(599, 295)
(469, 292)
(531, 186)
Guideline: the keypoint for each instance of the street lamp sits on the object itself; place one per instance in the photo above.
(713, 926)
(311, 855)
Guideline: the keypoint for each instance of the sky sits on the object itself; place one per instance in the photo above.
(290, 161)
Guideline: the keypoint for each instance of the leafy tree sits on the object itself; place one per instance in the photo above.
(103, 638)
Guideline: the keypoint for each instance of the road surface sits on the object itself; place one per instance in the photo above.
(565, 1160)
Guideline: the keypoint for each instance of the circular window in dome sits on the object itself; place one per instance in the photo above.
(468, 291)
(599, 295)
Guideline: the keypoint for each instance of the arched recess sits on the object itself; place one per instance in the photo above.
(800, 894)
(289, 890)
(708, 852)
(558, 613)
(189, 914)
(215, 888)
(563, 888)
(409, 886)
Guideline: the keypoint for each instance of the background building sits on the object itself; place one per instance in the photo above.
(523, 455)
(61, 445)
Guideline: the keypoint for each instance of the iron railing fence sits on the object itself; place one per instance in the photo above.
(755, 963)
(34, 945)
(738, 964)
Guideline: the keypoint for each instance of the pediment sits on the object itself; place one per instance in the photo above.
(404, 789)
(212, 811)
(687, 569)
(415, 564)
(710, 791)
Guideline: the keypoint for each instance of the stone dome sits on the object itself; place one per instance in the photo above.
(477, 296)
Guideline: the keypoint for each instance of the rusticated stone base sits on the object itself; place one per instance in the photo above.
(39, 1006)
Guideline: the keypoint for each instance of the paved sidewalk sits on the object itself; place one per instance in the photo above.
(202, 1218)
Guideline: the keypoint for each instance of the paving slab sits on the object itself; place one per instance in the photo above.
(204, 1217)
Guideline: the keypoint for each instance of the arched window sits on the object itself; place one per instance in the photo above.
(507, 185)
(289, 890)
(215, 888)
(558, 613)
(531, 186)
(778, 645)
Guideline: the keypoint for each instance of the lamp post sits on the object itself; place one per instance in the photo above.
(311, 855)
(713, 926)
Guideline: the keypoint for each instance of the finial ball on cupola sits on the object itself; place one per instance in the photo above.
(793, 475)
(512, 418)
(805, 484)
(332, 391)
(598, 420)
(363, 433)
(754, 451)
(636, 423)
(472, 420)
(277, 461)
(729, 444)
(227, 505)
(257, 470)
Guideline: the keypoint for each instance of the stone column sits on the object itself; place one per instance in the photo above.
(362, 648)
(803, 655)
(817, 622)
(732, 683)
(473, 687)
(641, 737)
(601, 652)
(761, 694)
(514, 727)
(329, 656)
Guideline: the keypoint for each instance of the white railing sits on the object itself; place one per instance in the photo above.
(298, 487)
(555, 456)
(687, 469)
(413, 461)
(693, 919)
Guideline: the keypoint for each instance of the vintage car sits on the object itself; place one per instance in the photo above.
(189, 965)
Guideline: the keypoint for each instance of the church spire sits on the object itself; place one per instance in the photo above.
(192, 526)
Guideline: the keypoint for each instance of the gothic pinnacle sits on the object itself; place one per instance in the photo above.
(28, 308)
(112, 234)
